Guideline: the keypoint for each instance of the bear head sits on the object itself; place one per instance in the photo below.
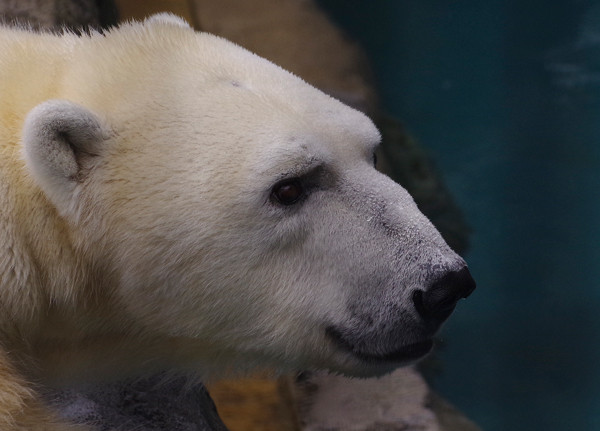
(225, 202)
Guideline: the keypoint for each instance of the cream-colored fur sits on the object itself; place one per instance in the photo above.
(139, 230)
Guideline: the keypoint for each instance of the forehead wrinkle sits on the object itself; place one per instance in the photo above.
(293, 166)
(288, 161)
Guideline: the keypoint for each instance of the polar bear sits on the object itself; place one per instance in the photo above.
(170, 201)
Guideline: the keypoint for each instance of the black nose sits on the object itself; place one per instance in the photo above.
(437, 302)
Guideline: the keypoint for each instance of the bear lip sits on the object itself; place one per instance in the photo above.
(407, 353)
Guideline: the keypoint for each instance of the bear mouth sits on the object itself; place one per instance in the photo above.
(407, 353)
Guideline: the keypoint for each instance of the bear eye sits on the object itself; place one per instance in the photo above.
(288, 192)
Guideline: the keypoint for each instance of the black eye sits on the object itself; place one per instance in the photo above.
(288, 192)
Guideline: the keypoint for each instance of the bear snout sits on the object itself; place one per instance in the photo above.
(436, 303)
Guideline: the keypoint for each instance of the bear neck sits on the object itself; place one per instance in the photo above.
(56, 292)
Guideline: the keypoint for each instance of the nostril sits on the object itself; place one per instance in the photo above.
(438, 302)
(418, 301)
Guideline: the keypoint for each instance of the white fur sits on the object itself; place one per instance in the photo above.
(142, 230)
(167, 18)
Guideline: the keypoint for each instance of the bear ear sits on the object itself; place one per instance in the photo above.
(60, 141)
(167, 18)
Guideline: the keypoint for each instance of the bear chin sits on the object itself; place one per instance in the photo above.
(405, 355)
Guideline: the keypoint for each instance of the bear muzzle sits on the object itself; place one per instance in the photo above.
(409, 336)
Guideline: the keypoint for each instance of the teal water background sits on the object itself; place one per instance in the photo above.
(506, 97)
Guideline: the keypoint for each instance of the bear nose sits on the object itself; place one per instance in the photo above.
(437, 302)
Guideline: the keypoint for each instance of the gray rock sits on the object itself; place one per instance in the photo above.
(56, 14)
(151, 404)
